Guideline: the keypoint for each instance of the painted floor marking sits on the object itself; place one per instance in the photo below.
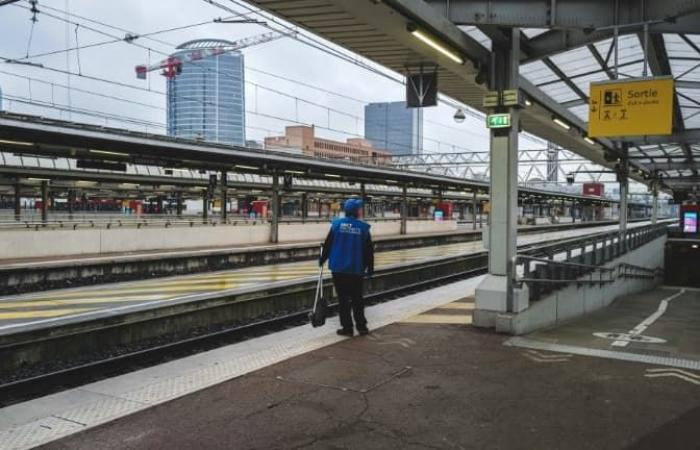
(440, 318)
(41, 313)
(545, 358)
(682, 363)
(646, 323)
(459, 305)
(675, 373)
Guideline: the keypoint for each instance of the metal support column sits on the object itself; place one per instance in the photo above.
(624, 188)
(18, 201)
(71, 202)
(654, 203)
(495, 294)
(304, 207)
(224, 196)
(404, 209)
(205, 205)
(474, 210)
(363, 196)
(178, 204)
(275, 209)
(44, 201)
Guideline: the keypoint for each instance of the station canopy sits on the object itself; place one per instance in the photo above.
(565, 45)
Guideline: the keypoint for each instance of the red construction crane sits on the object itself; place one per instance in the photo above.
(172, 66)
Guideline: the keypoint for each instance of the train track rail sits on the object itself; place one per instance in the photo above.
(283, 306)
(62, 379)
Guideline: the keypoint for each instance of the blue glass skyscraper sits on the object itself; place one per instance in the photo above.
(206, 100)
(394, 127)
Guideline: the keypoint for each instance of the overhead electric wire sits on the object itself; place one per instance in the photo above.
(236, 14)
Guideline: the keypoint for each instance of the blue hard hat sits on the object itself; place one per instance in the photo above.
(352, 205)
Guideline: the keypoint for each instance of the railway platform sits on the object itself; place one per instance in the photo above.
(424, 378)
(36, 273)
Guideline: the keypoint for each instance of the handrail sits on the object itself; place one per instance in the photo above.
(587, 267)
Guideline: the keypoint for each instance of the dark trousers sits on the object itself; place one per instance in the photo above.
(349, 290)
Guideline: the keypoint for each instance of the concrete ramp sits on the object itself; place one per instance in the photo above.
(660, 327)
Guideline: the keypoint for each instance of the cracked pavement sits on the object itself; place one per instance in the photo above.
(427, 387)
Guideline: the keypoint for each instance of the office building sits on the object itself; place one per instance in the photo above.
(394, 127)
(206, 99)
(303, 140)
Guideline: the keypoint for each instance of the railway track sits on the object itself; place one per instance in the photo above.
(230, 319)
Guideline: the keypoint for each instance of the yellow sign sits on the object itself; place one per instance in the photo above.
(636, 107)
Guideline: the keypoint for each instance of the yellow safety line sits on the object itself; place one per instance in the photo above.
(440, 319)
(48, 303)
(41, 313)
(458, 305)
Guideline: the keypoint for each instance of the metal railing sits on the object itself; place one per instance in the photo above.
(581, 261)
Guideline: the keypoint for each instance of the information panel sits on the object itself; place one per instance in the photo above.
(631, 107)
(690, 222)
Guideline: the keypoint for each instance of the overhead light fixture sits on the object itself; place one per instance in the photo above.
(434, 43)
(528, 102)
(459, 116)
(38, 179)
(561, 123)
(2, 141)
(296, 172)
(245, 167)
(331, 175)
(105, 152)
(589, 140)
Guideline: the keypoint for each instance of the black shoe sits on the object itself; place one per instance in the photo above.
(363, 331)
(344, 332)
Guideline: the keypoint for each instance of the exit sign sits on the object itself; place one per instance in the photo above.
(498, 121)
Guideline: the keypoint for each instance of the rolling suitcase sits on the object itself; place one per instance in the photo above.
(317, 316)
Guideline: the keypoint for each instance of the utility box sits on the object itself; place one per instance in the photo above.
(593, 189)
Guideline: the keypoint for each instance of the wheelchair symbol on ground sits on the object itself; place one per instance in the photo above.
(629, 337)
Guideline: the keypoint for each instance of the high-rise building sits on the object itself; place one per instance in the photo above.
(394, 127)
(206, 100)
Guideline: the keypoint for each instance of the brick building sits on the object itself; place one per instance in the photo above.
(303, 138)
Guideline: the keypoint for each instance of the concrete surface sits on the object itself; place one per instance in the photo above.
(421, 386)
(669, 333)
(44, 243)
(45, 419)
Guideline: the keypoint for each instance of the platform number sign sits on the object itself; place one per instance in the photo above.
(633, 107)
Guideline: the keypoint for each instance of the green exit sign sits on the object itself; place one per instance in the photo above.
(498, 121)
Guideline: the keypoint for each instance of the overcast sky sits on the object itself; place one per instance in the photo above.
(116, 61)
(337, 117)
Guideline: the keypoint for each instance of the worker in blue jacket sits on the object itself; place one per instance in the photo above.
(350, 252)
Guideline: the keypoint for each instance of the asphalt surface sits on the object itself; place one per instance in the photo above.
(421, 386)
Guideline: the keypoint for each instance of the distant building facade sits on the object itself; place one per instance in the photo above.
(304, 140)
(206, 100)
(394, 127)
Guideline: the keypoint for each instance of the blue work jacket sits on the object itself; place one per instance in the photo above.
(348, 247)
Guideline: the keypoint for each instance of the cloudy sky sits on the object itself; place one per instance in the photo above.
(337, 117)
(287, 82)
